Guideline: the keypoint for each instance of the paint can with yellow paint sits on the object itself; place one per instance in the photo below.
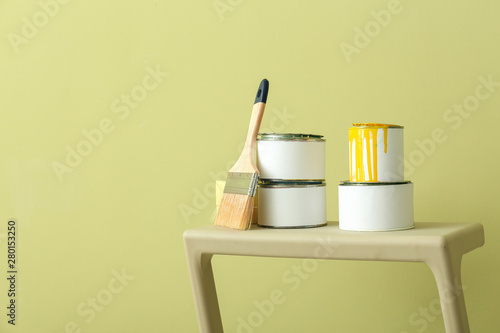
(376, 197)
(376, 153)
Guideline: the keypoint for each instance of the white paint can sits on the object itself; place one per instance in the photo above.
(376, 153)
(292, 204)
(288, 156)
(375, 206)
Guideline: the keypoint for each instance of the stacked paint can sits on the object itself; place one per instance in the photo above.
(376, 197)
(292, 188)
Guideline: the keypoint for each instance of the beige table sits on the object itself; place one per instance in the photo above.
(439, 245)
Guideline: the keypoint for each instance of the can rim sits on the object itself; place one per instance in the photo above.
(349, 183)
(374, 125)
(291, 183)
(289, 137)
(292, 226)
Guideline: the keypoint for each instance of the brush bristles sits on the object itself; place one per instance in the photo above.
(235, 211)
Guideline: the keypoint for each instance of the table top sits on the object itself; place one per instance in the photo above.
(463, 237)
(421, 230)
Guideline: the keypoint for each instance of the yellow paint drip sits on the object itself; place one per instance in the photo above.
(363, 151)
(385, 139)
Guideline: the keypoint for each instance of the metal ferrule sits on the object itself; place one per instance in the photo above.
(241, 183)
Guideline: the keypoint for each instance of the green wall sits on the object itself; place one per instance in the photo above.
(116, 117)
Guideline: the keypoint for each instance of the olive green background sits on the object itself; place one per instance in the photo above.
(67, 69)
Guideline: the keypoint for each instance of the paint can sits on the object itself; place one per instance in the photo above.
(376, 153)
(376, 206)
(290, 156)
(377, 198)
(289, 204)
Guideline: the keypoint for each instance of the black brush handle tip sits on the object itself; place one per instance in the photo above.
(262, 92)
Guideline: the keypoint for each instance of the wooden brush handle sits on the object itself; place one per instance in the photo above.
(246, 162)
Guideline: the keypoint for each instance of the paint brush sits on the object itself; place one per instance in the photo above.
(236, 207)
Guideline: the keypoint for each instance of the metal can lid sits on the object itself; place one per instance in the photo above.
(289, 137)
(374, 125)
(349, 183)
(266, 183)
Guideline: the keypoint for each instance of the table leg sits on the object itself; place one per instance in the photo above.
(446, 267)
(205, 295)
